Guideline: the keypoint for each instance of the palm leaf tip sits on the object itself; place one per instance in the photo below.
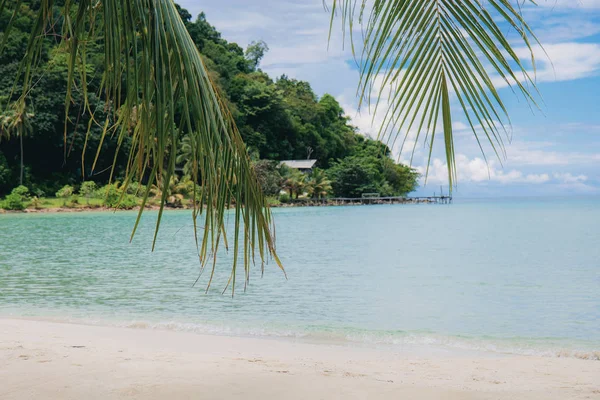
(438, 59)
(158, 89)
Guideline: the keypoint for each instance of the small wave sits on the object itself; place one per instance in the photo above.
(209, 329)
(348, 336)
(544, 348)
(591, 355)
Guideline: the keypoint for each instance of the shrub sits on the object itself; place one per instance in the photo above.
(16, 199)
(269, 176)
(198, 193)
(128, 202)
(35, 203)
(284, 198)
(273, 201)
(87, 189)
(22, 191)
(136, 189)
(109, 195)
(186, 187)
(65, 193)
(113, 197)
(13, 202)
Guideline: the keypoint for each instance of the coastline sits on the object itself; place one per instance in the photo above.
(294, 204)
(75, 361)
(56, 210)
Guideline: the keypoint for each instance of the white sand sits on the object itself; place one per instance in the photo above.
(45, 360)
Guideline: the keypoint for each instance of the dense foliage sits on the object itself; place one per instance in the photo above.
(278, 119)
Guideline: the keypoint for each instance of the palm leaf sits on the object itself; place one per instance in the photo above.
(152, 67)
(426, 53)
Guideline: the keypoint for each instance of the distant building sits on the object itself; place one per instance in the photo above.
(302, 165)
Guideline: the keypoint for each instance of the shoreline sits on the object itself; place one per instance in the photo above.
(57, 210)
(412, 343)
(295, 204)
(67, 210)
(74, 361)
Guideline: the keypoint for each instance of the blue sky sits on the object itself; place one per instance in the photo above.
(554, 151)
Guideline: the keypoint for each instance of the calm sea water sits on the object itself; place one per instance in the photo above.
(517, 276)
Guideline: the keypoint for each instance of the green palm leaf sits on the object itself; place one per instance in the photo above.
(158, 89)
(428, 55)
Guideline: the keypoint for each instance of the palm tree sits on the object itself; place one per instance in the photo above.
(295, 183)
(185, 156)
(318, 185)
(423, 52)
(176, 190)
(16, 121)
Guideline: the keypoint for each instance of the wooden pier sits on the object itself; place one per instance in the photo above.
(343, 201)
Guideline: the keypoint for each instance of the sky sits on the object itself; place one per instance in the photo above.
(554, 151)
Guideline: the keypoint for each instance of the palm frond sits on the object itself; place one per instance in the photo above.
(158, 89)
(427, 58)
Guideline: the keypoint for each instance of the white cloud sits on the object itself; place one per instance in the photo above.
(557, 62)
(557, 28)
(537, 178)
(569, 178)
(476, 173)
(565, 61)
(536, 153)
(295, 30)
(477, 170)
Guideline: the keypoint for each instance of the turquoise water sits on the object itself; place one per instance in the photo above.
(518, 276)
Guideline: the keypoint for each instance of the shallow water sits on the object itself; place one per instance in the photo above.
(517, 276)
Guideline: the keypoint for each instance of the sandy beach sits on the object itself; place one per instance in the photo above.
(47, 360)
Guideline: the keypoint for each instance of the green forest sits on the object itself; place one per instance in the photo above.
(49, 154)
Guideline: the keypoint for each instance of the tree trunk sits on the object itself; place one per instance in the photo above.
(22, 165)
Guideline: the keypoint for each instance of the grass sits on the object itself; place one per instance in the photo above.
(79, 202)
(55, 202)
(46, 203)
(273, 201)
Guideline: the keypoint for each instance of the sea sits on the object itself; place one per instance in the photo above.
(508, 276)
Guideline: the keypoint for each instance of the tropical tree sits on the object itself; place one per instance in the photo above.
(353, 176)
(185, 156)
(401, 179)
(318, 185)
(255, 52)
(269, 176)
(16, 121)
(175, 190)
(295, 182)
(424, 53)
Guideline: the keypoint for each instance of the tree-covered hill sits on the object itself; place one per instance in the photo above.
(278, 119)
